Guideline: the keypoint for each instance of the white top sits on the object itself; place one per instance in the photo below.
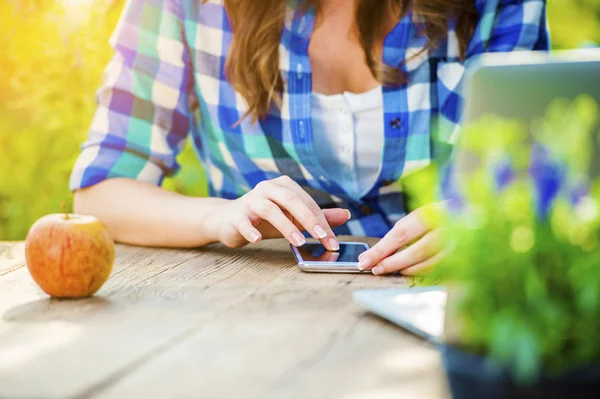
(348, 133)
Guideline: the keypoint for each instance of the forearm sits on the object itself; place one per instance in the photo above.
(142, 214)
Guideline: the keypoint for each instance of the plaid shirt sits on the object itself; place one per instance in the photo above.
(169, 60)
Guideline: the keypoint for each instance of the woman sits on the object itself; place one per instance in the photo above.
(306, 114)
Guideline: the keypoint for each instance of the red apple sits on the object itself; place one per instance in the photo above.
(69, 256)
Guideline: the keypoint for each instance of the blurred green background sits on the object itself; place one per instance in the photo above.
(54, 53)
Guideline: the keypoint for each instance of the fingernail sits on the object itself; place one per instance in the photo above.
(320, 231)
(377, 270)
(298, 239)
(254, 236)
(333, 244)
(364, 263)
(362, 255)
(349, 214)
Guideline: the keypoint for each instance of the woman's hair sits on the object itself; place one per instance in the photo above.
(252, 65)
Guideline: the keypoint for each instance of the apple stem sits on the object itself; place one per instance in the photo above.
(64, 208)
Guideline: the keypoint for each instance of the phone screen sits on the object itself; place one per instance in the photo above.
(316, 252)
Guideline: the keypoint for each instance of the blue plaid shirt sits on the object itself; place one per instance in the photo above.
(166, 82)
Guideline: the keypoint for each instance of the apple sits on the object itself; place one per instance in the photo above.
(68, 255)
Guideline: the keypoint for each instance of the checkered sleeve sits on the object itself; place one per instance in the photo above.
(510, 25)
(142, 120)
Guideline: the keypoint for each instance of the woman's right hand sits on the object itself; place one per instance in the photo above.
(274, 209)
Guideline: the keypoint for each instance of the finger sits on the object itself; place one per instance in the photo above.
(269, 211)
(417, 253)
(310, 216)
(406, 230)
(426, 266)
(291, 202)
(336, 217)
(248, 231)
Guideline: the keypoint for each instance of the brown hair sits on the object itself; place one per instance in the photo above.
(252, 65)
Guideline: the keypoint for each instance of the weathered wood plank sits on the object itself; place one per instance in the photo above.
(208, 323)
(67, 346)
(289, 354)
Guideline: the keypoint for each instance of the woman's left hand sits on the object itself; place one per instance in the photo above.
(413, 246)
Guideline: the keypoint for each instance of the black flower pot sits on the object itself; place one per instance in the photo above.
(470, 376)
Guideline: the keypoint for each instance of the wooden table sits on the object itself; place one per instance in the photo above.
(208, 323)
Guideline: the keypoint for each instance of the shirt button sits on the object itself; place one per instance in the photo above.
(395, 123)
(366, 210)
(301, 129)
(385, 183)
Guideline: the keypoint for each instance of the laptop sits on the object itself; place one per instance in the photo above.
(522, 85)
(517, 86)
(418, 310)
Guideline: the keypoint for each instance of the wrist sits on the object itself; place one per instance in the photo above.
(210, 220)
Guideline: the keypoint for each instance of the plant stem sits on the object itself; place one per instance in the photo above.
(64, 208)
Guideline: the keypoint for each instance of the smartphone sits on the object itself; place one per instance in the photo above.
(314, 257)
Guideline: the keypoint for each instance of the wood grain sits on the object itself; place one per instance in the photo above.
(208, 323)
(12, 257)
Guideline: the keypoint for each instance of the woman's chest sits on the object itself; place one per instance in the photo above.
(428, 100)
(337, 64)
(337, 57)
(327, 59)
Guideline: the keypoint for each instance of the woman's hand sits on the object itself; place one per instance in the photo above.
(412, 247)
(273, 209)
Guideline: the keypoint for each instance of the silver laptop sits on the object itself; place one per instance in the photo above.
(519, 86)
(418, 310)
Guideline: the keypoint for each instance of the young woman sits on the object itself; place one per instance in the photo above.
(303, 113)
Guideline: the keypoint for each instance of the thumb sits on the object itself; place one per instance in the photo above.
(432, 215)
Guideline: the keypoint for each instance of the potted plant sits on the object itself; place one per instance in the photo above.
(523, 270)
